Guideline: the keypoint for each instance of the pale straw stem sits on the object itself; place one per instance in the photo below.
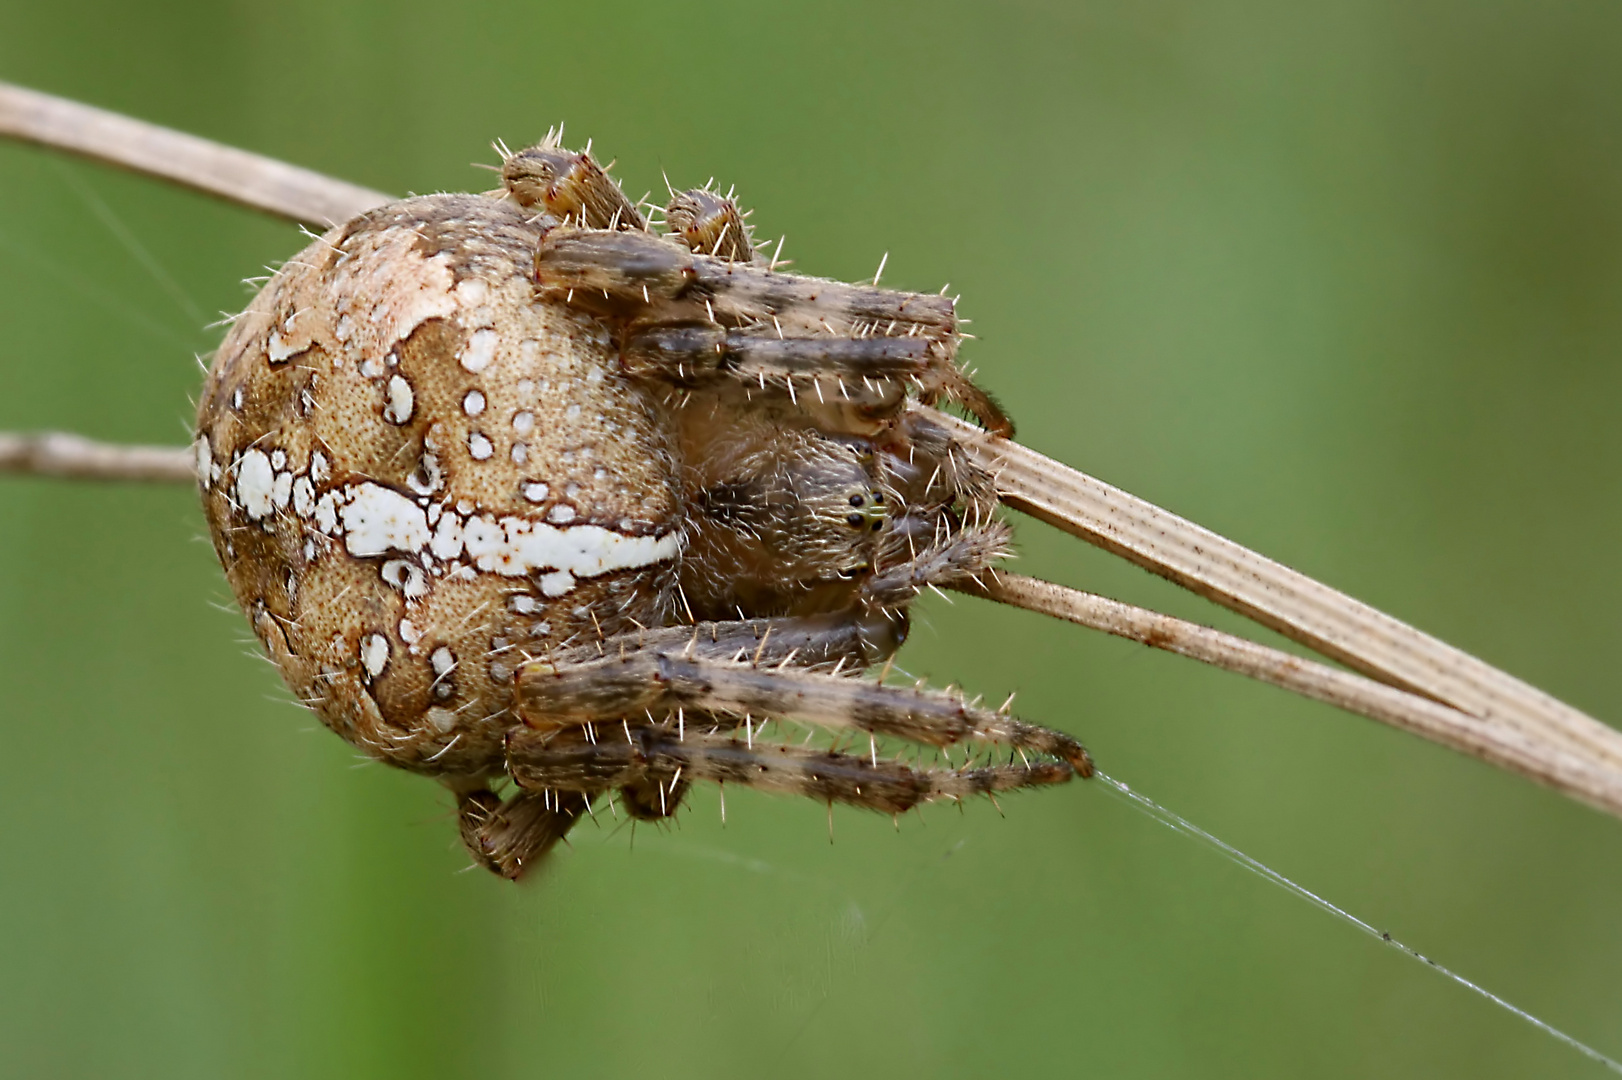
(55, 453)
(1285, 600)
(250, 179)
(1574, 774)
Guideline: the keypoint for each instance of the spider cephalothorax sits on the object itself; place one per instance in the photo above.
(511, 486)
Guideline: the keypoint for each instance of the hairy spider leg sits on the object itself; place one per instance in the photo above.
(570, 186)
(658, 756)
(710, 224)
(654, 283)
(509, 837)
(658, 681)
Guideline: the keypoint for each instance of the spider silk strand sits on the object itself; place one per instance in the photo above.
(1177, 823)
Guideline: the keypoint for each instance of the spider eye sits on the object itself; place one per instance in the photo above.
(878, 498)
(855, 520)
(877, 525)
(856, 500)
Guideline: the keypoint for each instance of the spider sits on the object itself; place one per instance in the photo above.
(512, 485)
(520, 486)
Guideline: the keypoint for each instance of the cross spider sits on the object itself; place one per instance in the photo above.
(511, 485)
(487, 471)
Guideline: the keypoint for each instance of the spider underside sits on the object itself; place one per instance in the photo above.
(512, 486)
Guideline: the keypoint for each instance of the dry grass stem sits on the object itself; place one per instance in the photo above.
(1540, 759)
(56, 453)
(250, 179)
(1272, 594)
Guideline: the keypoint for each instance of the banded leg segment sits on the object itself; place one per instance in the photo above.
(659, 756)
(508, 838)
(690, 353)
(637, 271)
(656, 682)
(569, 185)
(659, 287)
(710, 224)
(844, 639)
(957, 558)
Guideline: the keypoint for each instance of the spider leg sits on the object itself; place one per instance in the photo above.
(570, 186)
(509, 838)
(843, 639)
(930, 467)
(710, 224)
(754, 321)
(687, 354)
(624, 264)
(955, 558)
(660, 756)
(656, 681)
(568, 768)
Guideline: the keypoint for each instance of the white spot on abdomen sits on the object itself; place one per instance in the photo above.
(443, 661)
(256, 482)
(377, 520)
(303, 497)
(374, 654)
(278, 351)
(401, 401)
(514, 547)
(326, 513)
(408, 577)
(426, 477)
(202, 459)
(447, 542)
(480, 350)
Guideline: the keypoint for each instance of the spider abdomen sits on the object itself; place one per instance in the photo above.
(417, 476)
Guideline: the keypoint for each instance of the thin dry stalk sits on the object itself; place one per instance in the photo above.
(1539, 759)
(223, 171)
(55, 453)
(1326, 621)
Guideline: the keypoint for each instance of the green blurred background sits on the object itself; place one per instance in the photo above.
(1339, 280)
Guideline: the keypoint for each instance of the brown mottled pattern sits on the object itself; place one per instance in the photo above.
(656, 681)
(660, 757)
(471, 461)
(416, 280)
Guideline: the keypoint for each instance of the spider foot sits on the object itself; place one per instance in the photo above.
(510, 838)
